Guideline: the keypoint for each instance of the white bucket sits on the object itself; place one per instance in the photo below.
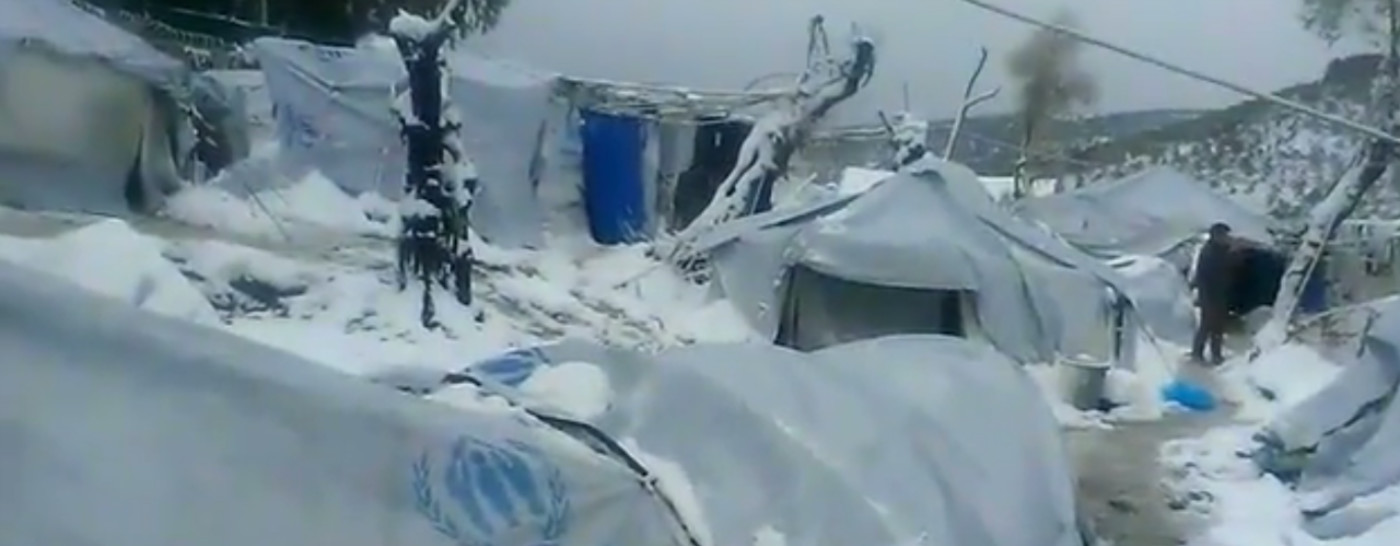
(1084, 381)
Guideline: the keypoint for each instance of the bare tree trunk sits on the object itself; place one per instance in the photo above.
(765, 153)
(968, 103)
(1339, 204)
(434, 246)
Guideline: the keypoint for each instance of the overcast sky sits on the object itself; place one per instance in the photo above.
(931, 44)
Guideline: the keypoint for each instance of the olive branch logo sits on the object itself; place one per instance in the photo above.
(498, 487)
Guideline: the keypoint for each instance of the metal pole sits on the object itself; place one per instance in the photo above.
(1268, 97)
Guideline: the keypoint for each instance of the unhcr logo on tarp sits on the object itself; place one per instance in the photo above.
(495, 490)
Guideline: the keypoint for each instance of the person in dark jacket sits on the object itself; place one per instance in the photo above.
(1213, 280)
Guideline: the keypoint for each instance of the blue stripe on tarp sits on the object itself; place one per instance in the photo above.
(614, 192)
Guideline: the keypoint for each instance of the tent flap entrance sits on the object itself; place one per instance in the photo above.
(821, 310)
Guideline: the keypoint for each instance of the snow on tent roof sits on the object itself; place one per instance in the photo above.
(936, 230)
(65, 27)
(818, 446)
(1150, 212)
(227, 442)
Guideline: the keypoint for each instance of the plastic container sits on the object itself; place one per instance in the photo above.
(614, 190)
(1084, 382)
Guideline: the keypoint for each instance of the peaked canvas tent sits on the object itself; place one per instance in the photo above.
(876, 442)
(124, 428)
(1341, 443)
(88, 115)
(1157, 212)
(1165, 213)
(332, 106)
(918, 253)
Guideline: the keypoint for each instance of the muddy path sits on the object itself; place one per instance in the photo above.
(1122, 489)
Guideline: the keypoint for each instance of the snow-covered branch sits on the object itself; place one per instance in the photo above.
(968, 103)
(1326, 216)
(764, 156)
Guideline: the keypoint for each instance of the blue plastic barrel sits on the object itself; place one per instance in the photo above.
(614, 193)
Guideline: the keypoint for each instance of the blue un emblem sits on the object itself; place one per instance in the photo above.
(485, 492)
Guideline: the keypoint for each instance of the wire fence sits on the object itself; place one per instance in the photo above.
(201, 50)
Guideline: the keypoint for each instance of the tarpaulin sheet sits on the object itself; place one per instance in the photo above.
(123, 428)
(79, 112)
(64, 28)
(1340, 443)
(1151, 212)
(333, 112)
(882, 441)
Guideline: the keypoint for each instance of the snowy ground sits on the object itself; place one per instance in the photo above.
(310, 270)
(321, 284)
(1212, 480)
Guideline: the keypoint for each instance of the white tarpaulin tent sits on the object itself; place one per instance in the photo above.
(123, 428)
(1154, 212)
(883, 441)
(1341, 443)
(332, 107)
(88, 120)
(917, 253)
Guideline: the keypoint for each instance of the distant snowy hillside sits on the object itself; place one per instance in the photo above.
(1271, 158)
(988, 143)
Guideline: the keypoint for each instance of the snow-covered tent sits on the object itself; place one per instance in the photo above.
(1341, 443)
(332, 107)
(1158, 211)
(882, 441)
(918, 253)
(88, 112)
(124, 428)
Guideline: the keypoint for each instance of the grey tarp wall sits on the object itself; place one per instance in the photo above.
(333, 112)
(1035, 297)
(880, 441)
(1341, 443)
(122, 428)
(1152, 212)
(83, 106)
